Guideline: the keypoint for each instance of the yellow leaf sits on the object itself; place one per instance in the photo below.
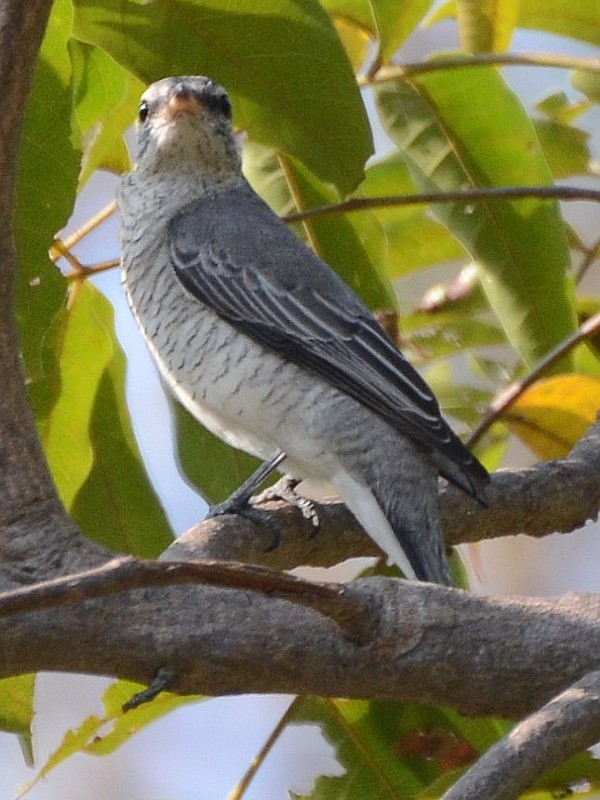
(553, 414)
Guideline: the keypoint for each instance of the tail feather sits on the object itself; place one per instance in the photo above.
(407, 530)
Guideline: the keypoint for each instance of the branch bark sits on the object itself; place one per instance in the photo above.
(425, 643)
(36, 537)
(566, 725)
(550, 497)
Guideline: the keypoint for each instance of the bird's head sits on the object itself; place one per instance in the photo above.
(184, 123)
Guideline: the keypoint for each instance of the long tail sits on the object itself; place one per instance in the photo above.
(395, 500)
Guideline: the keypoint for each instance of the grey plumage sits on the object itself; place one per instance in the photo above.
(265, 345)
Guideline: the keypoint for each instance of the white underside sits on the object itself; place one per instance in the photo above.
(364, 506)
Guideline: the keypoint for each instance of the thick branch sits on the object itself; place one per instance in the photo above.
(553, 496)
(36, 538)
(121, 575)
(23, 483)
(428, 643)
(566, 725)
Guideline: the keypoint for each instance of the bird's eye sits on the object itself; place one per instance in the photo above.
(143, 111)
(225, 105)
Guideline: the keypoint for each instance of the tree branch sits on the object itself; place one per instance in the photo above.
(552, 496)
(332, 600)
(460, 60)
(566, 725)
(466, 196)
(431, 644)
(36, 536)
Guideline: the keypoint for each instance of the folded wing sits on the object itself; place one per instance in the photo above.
(233, 254)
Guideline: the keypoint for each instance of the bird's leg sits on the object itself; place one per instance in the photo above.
(285, 489)
(238, 501)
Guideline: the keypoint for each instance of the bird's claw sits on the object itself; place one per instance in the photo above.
(285, 489)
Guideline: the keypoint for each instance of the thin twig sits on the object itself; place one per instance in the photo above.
(93, 269)
(467, 196)
(90, 225)
(59, 250)
(332, 600)
(505, 399)
(393, 72)
(590, 254)
(238, 792)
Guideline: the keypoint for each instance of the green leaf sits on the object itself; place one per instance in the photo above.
(102, 735)
(486, 25)
(83, 347)
(48, 169)
(276, 60)
(388, 21)
(356, 41)
(391, 750)
(464, 334)
(557, 106)
(106, 98)
(588, 83)
(86, 430)
(579, 771)
(16, 710)
(565, 147)
(463, 401)
(520, 247)
(116, 505)
(126, 724)
(563, 17)
(401, 238)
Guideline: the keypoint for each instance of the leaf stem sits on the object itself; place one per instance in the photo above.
(238, 792)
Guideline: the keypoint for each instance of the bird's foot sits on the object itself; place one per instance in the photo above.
(239, 501)
(285, 489)
(262, 519)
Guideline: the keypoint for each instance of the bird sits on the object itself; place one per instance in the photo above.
(265, 345)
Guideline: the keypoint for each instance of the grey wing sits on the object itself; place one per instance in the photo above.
(232, 253)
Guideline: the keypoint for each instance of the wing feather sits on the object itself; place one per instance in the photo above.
(234, 255)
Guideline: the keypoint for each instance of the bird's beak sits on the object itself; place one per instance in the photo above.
(181, 102)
